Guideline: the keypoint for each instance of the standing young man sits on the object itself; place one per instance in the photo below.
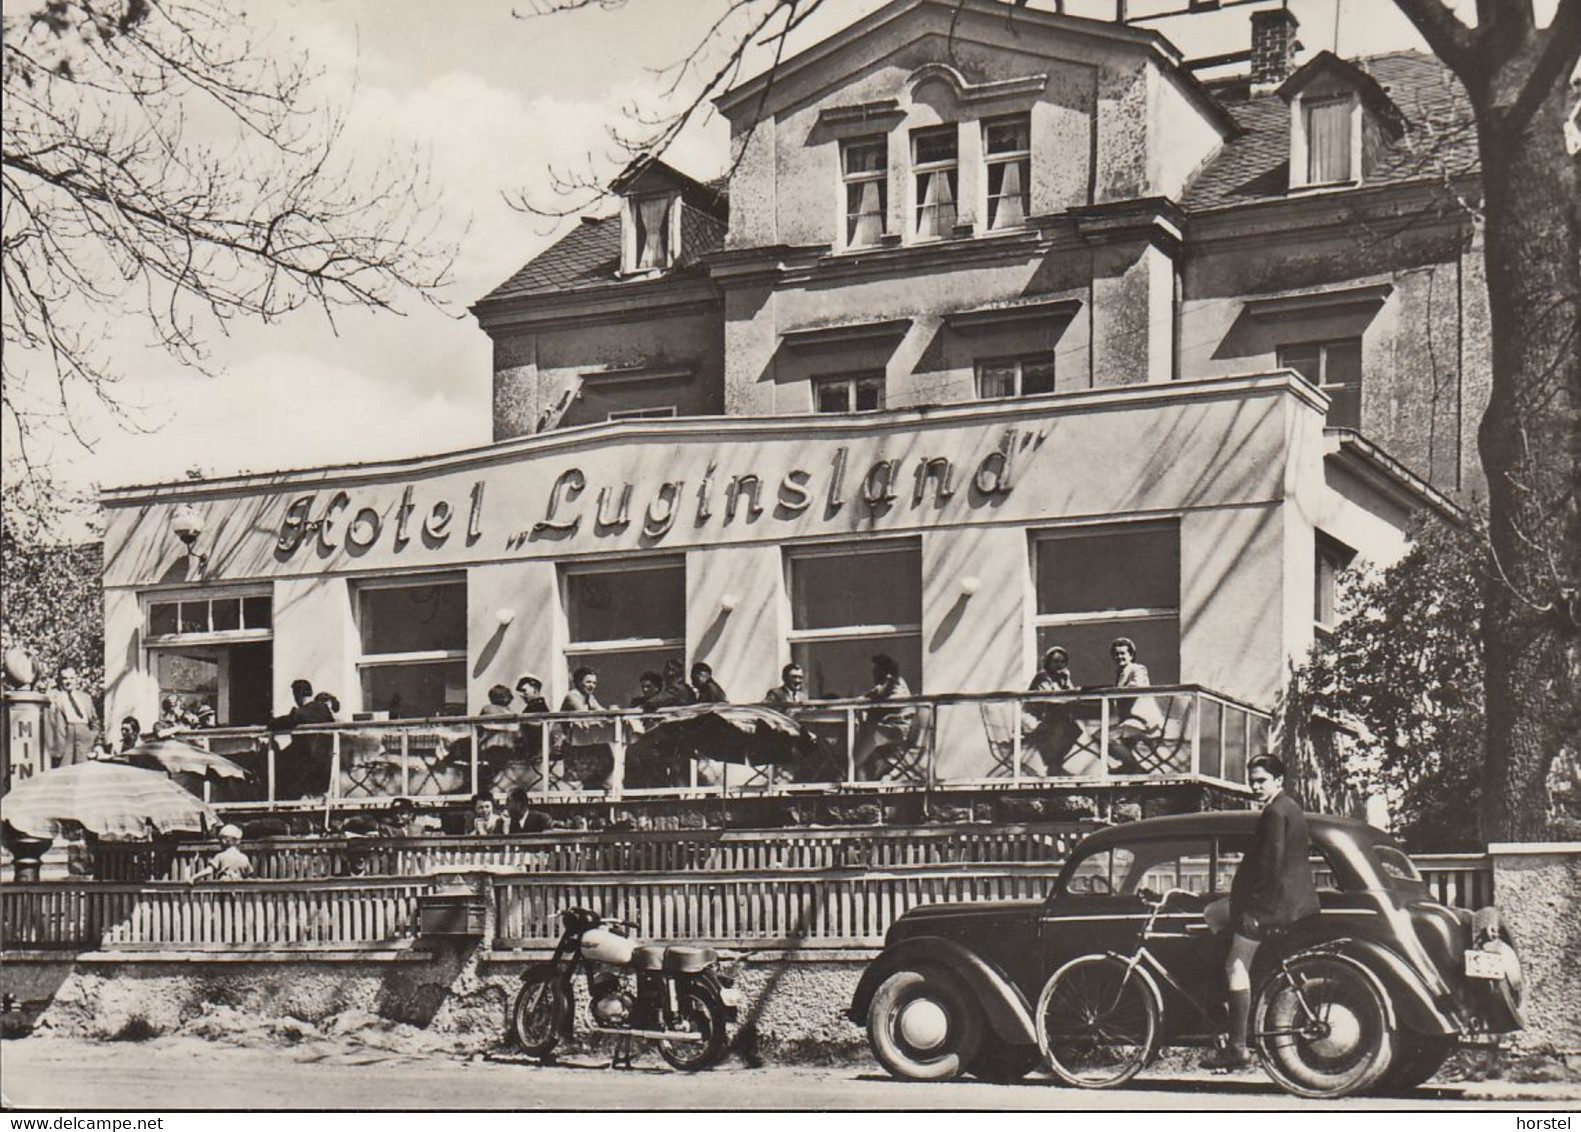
(1272, 889)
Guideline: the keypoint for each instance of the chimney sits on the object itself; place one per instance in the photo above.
(1274, 48)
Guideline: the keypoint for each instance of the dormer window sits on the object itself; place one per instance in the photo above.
(1341, 121)
(652, 239)
(1331, 136)
(935, 164)
(1007, 152)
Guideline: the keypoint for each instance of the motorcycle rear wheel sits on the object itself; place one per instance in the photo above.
(535, 1015)
(699, 1012)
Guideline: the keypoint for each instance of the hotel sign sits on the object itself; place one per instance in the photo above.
(721, 495)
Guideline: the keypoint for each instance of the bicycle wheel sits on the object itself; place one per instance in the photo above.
(1322, 1030)
(1097, 1022)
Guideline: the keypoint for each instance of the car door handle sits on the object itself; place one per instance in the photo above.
(1197, 929)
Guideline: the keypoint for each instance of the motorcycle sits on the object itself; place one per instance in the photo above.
(679, 997)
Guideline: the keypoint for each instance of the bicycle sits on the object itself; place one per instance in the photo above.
(1100, 1015)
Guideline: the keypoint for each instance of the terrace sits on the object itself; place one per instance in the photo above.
(957, 742)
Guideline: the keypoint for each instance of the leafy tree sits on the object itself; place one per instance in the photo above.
(1392, 702)
(50, 595)
(1519, 79)
(166, 170)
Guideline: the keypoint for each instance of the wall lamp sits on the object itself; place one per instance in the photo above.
(969, 585)
(504, 615)
(728, 603)
(187, 525)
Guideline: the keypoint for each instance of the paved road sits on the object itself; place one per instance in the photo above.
(186, 1073)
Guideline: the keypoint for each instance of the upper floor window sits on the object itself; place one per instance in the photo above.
(625, 619)
(1015, 377)
(935, 163)
(864, 167)
(1332, 557)
(1007, 152)
(1330, 130)
(651, 231)
(1335, 368)
(849, 393)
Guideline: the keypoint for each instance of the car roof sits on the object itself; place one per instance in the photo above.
(1320, 827)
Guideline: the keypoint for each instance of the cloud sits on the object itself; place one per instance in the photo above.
(284, 410)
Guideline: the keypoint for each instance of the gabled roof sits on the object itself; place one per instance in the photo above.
(646, 172)
(1441, 139)
(817, 56)
(588, 257)
(1372, 95)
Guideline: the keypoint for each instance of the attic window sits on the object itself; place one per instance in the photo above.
(1331, 139)
(652, 236)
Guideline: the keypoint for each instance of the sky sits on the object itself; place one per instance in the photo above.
(492, 101)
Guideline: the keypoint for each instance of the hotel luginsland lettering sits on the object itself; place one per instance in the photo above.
(347, 520)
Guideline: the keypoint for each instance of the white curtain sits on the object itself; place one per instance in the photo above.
(937, 216)
(654, 214)
(869, 224)
(1009, 211)
(1328, 142)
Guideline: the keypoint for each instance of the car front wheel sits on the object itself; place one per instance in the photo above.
(923, 1026)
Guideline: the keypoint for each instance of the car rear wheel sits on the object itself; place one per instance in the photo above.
(1097, 1022)
(923, 1025)
(1323, 1029)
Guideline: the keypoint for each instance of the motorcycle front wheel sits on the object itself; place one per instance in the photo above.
(535, 1015)
(699, 1012)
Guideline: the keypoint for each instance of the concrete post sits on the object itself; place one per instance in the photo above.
(1537, 887)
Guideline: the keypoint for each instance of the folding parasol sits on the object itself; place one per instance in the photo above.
(175, 757)
(112, 800)
(730, 733)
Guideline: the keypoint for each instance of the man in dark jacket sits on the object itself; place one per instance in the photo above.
(1272, 889)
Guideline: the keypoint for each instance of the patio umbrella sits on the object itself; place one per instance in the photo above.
(175, 757)
(730, 733)
(112, 800)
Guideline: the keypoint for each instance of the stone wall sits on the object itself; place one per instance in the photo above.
(1537, 888)
(457, 1000)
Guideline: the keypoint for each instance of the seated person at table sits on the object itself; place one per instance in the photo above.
(882, 727)
(792, 688)
(1139, 720)
(485, 821)
(1053, 732)
(705, 687)
(403, 820)
(230, 863)
(676, 691)
(520, 817)
(649, 685)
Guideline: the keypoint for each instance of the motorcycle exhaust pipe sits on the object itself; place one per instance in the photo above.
(664, 1035)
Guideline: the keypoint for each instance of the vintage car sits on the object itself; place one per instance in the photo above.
(1118, 962)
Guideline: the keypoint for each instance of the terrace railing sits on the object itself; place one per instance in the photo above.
(1089, 739)
(678, 851)
(763, 908)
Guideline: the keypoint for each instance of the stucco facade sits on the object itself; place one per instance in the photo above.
(974, 287)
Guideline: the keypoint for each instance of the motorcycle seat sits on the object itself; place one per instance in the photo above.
(689, 960)
(648, 957)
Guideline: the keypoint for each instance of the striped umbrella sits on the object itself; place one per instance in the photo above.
(175, 757)
(114, 801)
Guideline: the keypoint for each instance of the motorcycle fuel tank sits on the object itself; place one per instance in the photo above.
(604, 946)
